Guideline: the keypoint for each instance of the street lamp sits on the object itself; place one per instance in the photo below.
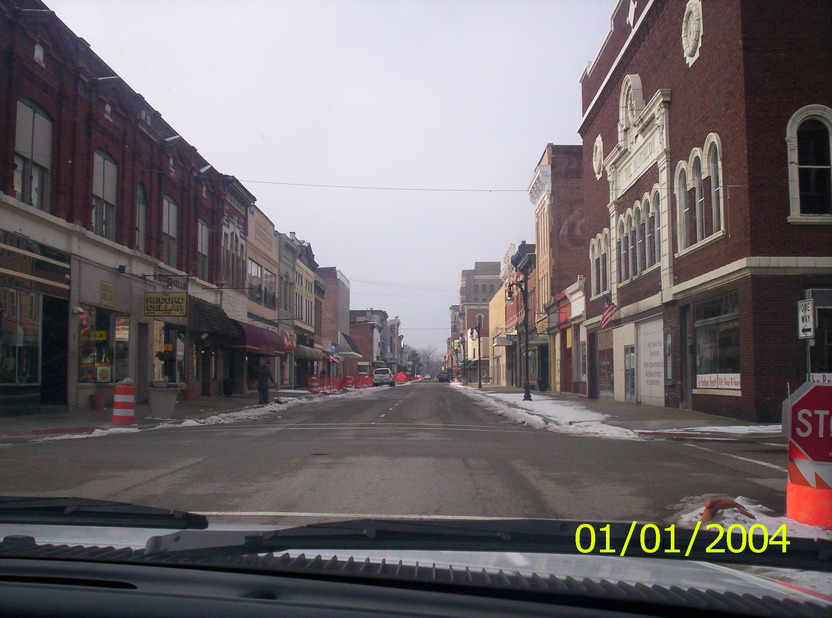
(523, 287)
(523, 260)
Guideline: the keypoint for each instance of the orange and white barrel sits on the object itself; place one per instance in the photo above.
(314, 385)
(124, 405)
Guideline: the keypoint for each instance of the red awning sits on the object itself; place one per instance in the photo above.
(259, 340)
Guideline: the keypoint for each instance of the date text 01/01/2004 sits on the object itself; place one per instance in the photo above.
(652, 539)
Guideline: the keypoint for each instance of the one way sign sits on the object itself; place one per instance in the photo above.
(806, 319)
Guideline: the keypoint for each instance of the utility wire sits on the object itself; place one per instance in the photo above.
(369, 188)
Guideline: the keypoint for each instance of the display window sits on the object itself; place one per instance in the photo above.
(20, 336)
(104, 338)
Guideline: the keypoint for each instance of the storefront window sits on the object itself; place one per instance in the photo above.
(173, 353)
(104, 345)
(20, 344)
(606, 382)
(717, 331)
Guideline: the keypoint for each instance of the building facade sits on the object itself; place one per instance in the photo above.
(708, 206)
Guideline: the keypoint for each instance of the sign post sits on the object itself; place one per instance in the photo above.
(807, 423)
(806, 319)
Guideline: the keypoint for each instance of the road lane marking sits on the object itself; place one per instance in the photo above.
(760, 463)
(383, 415)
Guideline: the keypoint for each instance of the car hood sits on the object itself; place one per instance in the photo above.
(778, 583)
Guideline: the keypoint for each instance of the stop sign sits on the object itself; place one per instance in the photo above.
(807, 420)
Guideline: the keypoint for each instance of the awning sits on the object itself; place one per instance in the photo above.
(469, 364)
(258, 340)
(502, 341)
(210, 318)
(303, 352)
(348, 346)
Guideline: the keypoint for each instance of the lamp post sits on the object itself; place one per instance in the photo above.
(523, 260)
(523, 287)
(476, 329)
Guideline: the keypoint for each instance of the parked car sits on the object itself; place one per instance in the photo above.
(383, 375)
(443, 376)
(428, 376)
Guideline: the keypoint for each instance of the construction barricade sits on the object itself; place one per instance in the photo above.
(124, 405)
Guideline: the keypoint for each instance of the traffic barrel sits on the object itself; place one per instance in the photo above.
(124, 405)
(808, 427)
(314, 385)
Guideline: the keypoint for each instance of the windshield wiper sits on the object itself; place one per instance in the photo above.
(531, 536)
(89, 512)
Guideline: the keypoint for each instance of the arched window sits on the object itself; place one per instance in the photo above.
(686, 215)
(649, 235)
(623, 253)
(595, 268)
(641, 257)
(699, 201)
(809, 143)
(605, 262)
(716, 187)
(657, 226)
(32, 154)
(814, 168)
(104, 189)
(631, 245)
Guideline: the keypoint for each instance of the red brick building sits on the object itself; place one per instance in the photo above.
(706, 131)
(121, 209)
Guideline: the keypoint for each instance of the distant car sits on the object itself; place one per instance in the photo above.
(383, 375)
(443, 376)
(428, 376)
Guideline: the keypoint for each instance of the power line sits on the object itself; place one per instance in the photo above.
(369, 188)
(405, 286)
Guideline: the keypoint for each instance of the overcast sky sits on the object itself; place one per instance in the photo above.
(417, 95)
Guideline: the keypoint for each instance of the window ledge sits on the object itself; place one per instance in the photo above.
(810, 219)
(717, 391)
(640, 275)
(702, 243)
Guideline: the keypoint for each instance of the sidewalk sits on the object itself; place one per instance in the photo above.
(23, 428)
(655, 421)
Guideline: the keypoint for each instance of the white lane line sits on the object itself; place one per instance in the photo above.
(349, 515)
(783, 445)
(754, 461)
(383, 415)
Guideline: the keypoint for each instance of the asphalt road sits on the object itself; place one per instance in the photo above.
(423, 450)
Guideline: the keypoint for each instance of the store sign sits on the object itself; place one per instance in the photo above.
(170, 304)
(718, 380)
(821, 378)
(106, 294)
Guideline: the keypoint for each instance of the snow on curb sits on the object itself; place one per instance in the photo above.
(689, 510)
(552, 414)
(726, 429)
(245, 414)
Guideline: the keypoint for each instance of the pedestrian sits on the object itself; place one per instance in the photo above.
(264, 376)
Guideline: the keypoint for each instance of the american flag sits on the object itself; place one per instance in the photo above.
(609, 311)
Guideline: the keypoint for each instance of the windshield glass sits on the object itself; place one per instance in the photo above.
(290, 263)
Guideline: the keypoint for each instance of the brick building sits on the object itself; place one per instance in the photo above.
(555, 191)
(706, 131)
(125, 250)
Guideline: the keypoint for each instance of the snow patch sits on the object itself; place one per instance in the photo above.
(552, 414)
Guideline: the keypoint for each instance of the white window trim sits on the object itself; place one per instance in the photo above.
(824, 114)
(702, 243)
